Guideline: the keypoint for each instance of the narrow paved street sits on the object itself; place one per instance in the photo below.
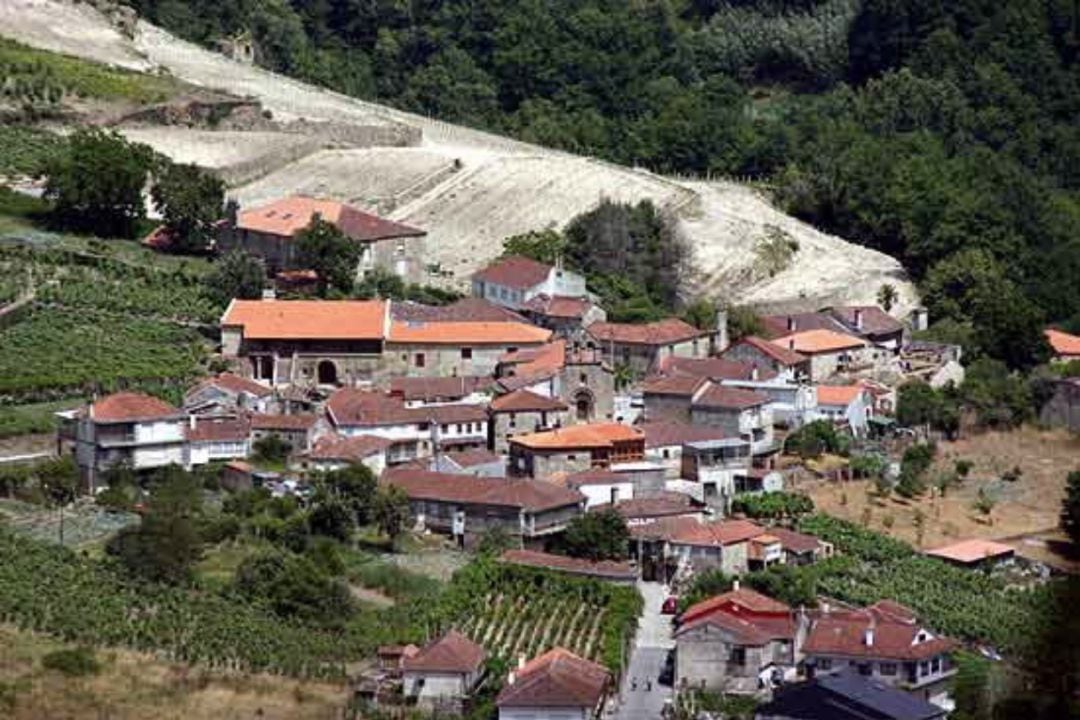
(647, 660)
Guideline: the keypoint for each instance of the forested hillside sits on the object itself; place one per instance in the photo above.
(945, 133)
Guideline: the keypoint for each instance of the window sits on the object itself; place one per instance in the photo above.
(666, 453)
(459, 430)
(513, 419)
(444, 429)
(887, 668)
(935, 665)
(466, 353)
(571, 458)
(511, 349)
(824, 664)
(420, 360)
(423, 427)
(737, 656)
(924, 668)
(865, 668)
(584, 378)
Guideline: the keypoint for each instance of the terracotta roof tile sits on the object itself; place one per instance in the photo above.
(875, 321)
(536, 361)
(795, 542)
(895, 631)
(530, 495)
(452, 653)
(302, 421)
(290, 215)
(691, 531)
(838, 394)
(676, 385)
(662, 332)
(559, 306)
(308, 319)
(514, 271)
(813, 342)
(432, 389)
(780, 325)
(467, 333)
(782, 355)
(235, 384)
(130, 407)
(469, 309)
(472, 458)
(218, 429)
(972, 550)
(350, 449)
(353, 407)
(579, 436)
(665, 434)
(558, 678)
(716, 368)
(747, 630)
(722, 396)
(665, 504)
(742, 599)
(526, 401)
(1063, 343)
(577, 566)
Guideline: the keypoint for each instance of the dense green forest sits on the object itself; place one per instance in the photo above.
(946, 133)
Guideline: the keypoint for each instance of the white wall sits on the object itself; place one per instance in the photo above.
(149, 457)
(158, 432)
(538, 713)
(600, 494)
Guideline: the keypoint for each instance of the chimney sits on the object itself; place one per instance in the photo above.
(858, 318)
(869, 637)
(792, 325)
(269, 293)
(191, 421)
(735, 584)
(511, 678)
(232, 212)
(722, 340)
(521, 661)
(754, 372)
(791, 343)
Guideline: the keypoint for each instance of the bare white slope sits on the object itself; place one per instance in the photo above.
(500, 187)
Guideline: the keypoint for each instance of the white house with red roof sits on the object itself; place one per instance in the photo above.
(128, 428)
(850, 406)
(740, 641)
(270, 232)
(884, 641)
(226, 394)
(557, 685)
(444, 672)
(513, 281)
(335, 452)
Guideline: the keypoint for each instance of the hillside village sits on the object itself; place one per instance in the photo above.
(297, 421)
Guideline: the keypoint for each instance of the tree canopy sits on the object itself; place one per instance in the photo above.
(190, 201)
(333, 256)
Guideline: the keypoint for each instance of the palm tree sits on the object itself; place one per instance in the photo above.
(887, 296)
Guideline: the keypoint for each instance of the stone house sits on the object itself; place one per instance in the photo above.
(127, 428)
(419, 391)
(515, 280)
(270, 231)
(664, 441)
(739, 642)
(300, 431)
(567, 317)
(868, 322)
(1063, 407)
(574, 449)
(444, 672)
(415, 431)
(642, 348)
(465, 506)
(337, 452)
(578, 377)
(739, 413)
(786, 363)
(711, 470)
(670, 545)
(884, 641)
(521, 412)
(557, 685)
(441, 349)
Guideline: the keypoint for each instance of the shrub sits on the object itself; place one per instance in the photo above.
(774, 505)
(73, 662)
(813, 439)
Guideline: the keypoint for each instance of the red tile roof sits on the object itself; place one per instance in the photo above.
(432, 389)
(467, 333)
(594, 435)
(722, 396)
(972, 550)
(676, 385)
(875, 321)
(235, 384)
(816, 342)
(300, 421)
(609, 569)
(452, 653)
(782, 355)
(747, 630)
(894, 634)
(1063, 343)
(778, 325)
(717, 368)
(593, 476)
(734, 601)
(559, 306)
(537, 361)
(514, 271)
(218, 429)
(308, 319)
(291, 215)
(665, 504)
(665, 434)
(842, 395)
(662, 332)
(530, 495)
(526, 401)
(131, 407)
(472, 458)
(795, 542)
(467, 309)
(369, 408)
(558, 678)
(349, 449)
(691, 531)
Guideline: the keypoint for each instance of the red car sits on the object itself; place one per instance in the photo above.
(670, 606)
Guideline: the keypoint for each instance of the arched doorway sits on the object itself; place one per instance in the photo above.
(327, 372)
(583, 405)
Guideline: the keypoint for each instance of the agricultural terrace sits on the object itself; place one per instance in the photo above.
(969, 605)
(512, 610)
(51, 353)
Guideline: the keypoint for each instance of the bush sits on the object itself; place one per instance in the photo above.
(294, 586)
(773, 505)
(813, 439)
(73, 662)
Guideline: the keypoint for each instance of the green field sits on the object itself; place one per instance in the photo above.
(32, 418)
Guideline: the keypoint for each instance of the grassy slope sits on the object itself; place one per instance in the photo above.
(136, 686)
